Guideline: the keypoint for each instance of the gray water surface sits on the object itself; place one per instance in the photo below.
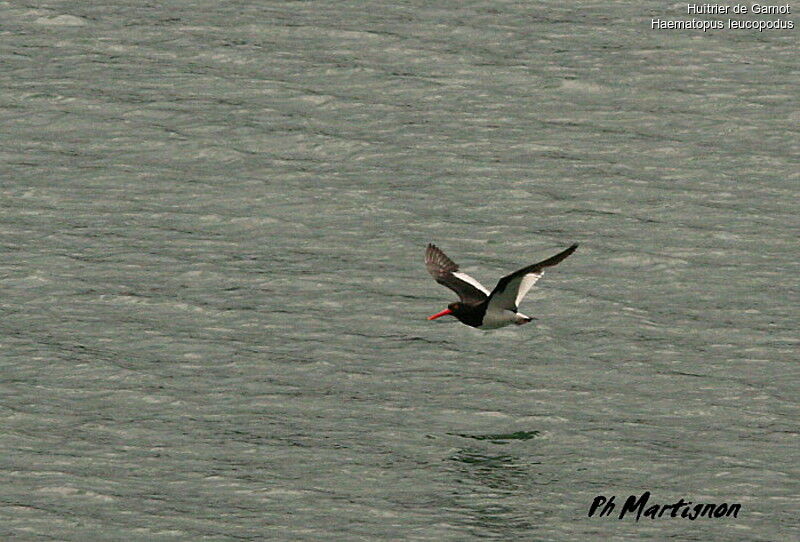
(212, 320)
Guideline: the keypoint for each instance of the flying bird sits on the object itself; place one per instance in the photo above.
(478, 307)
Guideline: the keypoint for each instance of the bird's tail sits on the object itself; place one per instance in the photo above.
(522, 319)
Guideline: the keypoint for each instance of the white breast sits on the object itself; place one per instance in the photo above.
(496, 319)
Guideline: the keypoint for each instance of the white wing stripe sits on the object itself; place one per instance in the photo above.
(469, 280)
(527, 283)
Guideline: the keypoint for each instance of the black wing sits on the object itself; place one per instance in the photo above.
(512, 288)
(446, 273)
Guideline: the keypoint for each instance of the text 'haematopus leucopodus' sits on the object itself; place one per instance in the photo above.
(479, 307)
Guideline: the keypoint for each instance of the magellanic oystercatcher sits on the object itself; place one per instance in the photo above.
(478, 307)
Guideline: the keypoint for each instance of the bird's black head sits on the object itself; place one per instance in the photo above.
(468, 314)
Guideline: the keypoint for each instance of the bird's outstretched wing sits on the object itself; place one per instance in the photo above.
(512, 288)
(446, 273)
